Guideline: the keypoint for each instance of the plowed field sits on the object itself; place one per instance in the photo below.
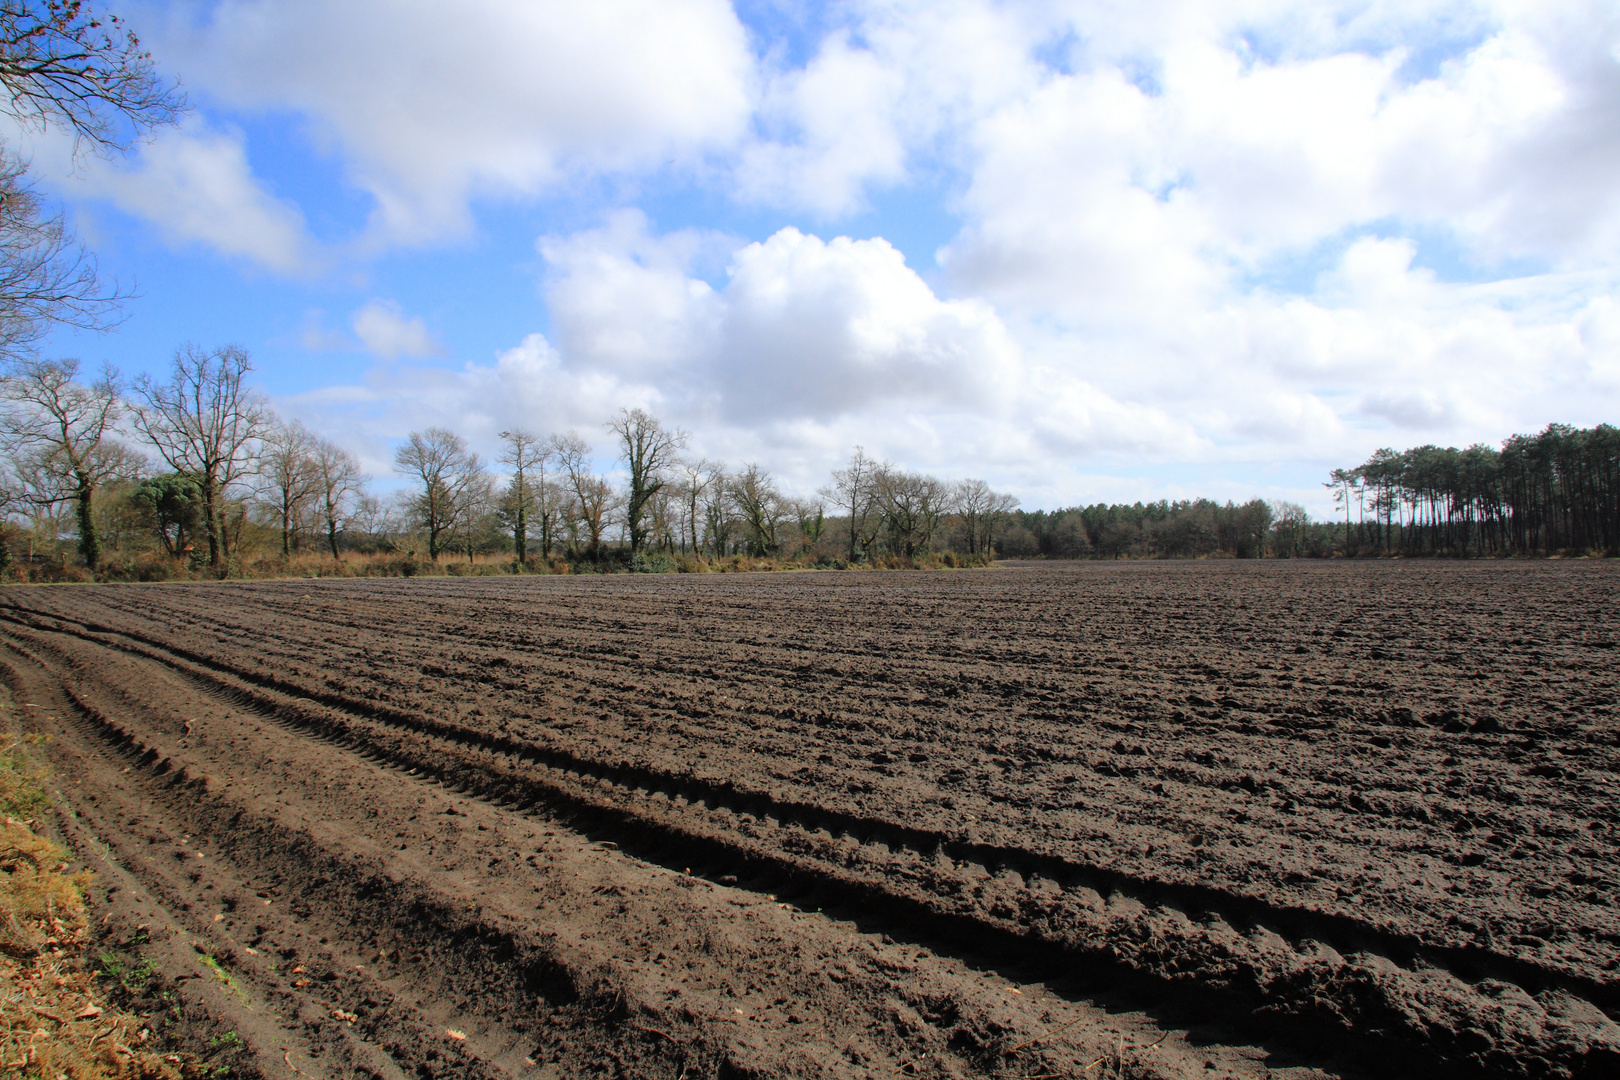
(1209, 819)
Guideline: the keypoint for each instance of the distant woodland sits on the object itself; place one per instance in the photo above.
(194, 476)
(1553, 493)
(1558, 491)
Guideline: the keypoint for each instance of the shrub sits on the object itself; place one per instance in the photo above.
(155, 569)
(652, 562)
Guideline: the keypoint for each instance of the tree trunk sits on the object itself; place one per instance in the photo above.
(211, 518)
(88, 545)
(331, 531)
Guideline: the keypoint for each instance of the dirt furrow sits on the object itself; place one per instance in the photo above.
(1297, 970)
(1272, 787)
(400, 946)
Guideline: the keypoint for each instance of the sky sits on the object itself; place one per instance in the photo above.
(1087, 251)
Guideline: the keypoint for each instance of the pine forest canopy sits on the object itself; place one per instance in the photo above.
(1538, 494)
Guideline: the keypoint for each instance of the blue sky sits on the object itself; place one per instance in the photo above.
(1086, 251)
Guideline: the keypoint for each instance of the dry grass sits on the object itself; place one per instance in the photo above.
(312, 563)
(54, 1025)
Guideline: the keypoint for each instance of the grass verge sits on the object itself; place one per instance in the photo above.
(55, 1021)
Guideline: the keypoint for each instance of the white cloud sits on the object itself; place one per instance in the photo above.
(814, 328)
(623, 301)
(807, 348)
(195, 186)
(1098, 200)
(429, 106)
(526, 386)
(803, 328)
(836, 133)
(1205, 235)
(386, 333)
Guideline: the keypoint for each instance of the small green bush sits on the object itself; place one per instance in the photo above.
(651, 562)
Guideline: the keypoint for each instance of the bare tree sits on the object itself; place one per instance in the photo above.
(63, 64)
(440, 461)
(62, 428)
(592, 495)
(202, 422)
(910, 504)
(718, 521)
(338, 480)
(476, 506)
(369, 516)
(1289, 523)
(972, 500)
(696, 477)
(663, 517)
(550, 505)
(46, 278)
(851, 492)
(982, 512)
(594, 505)
(524, 453)
(289, 476)
(30, 489)
(649, 451)
(761, 506)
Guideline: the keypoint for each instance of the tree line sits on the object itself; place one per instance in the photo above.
(196, 467)
(1554, 492)
(1557, 491)
(548, 501)
(1166, 529)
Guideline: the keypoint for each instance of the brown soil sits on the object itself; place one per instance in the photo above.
(1145, 820)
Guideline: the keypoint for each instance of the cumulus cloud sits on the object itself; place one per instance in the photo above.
(428, 107)
(803, 328)
(1152, 195)
(527, 386)
(808, 347)
(1130, 214)
(819, 327)
(1208, 234)
(835, 133)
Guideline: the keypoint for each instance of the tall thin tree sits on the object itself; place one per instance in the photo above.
(851, 492)
(440, 461)
(202, 422)
(592, 496)
(525, 453)
(339, 481)
(648, 450)
(288, 476)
